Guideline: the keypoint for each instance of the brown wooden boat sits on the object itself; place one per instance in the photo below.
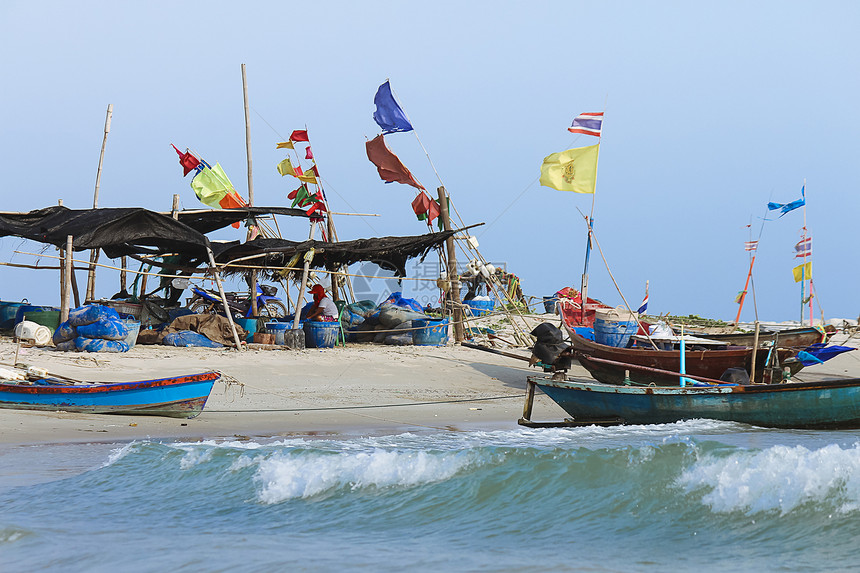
(706, 363)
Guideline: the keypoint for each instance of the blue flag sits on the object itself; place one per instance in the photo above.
(788, 207)
(388, 114)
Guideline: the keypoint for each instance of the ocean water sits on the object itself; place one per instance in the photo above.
(697, 495)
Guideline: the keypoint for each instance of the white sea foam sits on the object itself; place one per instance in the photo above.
(286, 476)
(119, 453)
(194, 457)
(779, 478)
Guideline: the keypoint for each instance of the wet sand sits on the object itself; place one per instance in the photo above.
(360, 389)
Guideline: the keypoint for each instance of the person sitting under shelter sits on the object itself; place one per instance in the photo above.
(324, 309)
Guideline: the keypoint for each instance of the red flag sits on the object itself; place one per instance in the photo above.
(188, 162)
(309, 154)
(425, 207)
(388, 165)
(317, 207)
(420, 203)
(299, 135)
(432, 211)
(316, 172)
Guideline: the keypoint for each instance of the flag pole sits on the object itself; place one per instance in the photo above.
(749, 274)
(805, 235)
(590, 222)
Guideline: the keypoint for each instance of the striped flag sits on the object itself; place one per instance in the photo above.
(750, 245)
(803, 248)
(589, 123)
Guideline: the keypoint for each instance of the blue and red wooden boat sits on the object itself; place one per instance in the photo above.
(177, 397)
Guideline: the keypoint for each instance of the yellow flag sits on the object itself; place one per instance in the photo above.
(285, 167)
(572, 170)
(802, 272)
(285, 145)
(308, 177)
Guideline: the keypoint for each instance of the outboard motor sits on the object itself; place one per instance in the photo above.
(551, 350)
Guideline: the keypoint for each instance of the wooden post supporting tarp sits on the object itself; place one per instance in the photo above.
(453, 275)
(67, 280)
(62, 267)
(94, 255)
(227, 310)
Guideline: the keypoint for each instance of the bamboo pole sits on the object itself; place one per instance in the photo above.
(94, 255)
(453, 275)
(248, 138)
(754, 350)
(62, 266)
(227, 310)
(67, 280)
(253, 285)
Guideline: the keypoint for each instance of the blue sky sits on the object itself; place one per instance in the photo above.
(711, 112)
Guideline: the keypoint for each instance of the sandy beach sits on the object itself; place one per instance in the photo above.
(360, 389)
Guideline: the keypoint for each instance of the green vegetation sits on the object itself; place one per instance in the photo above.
(690, 319)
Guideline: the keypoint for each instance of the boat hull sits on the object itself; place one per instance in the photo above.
(705, 363)
(831, 404)
(177, 397)
(798, 338)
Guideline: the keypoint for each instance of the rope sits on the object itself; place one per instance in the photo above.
(351, 409)
(345, 408)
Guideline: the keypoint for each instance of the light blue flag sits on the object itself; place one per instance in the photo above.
(788, 207)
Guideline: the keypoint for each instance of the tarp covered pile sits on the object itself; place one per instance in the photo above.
(391, 322)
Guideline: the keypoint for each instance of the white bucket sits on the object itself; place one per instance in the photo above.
(29, 330)
(617, 314)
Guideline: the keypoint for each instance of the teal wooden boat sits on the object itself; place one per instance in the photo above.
(824, 404)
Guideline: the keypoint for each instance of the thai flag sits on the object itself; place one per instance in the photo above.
(589, 123)
(803, 248)
(750, 245)
(644, 306)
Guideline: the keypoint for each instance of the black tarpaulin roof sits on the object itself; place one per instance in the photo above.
(117, 231)
(207, 221)
(390, 253)
(129, 230)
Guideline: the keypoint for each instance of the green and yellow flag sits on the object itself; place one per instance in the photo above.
(212, 185)
(802, 272)
(572, 170)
